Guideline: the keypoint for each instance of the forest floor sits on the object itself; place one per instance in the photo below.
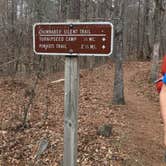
(137, 129)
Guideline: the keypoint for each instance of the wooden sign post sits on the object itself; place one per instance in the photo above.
(72, 40)
(71, 110)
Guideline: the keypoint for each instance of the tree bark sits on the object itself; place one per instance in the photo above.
(157, 38)
(118, 92)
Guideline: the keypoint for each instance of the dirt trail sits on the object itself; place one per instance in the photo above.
(144, 126)
(137, 136)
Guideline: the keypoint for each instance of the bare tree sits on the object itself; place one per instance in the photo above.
(118, 92)
(148, 27)
(18, 16)
(157, 37)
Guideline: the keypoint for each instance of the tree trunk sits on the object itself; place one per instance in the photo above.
(118, 92)
(157, 37)
(147, 46)
(155, 59)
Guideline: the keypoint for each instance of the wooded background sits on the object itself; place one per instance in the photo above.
(140, 22)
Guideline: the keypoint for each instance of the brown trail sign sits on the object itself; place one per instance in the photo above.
(86, 38)
(72, 40)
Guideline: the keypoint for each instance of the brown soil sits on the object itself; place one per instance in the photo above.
(137, 137)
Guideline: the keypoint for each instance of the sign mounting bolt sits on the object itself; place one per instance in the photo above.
(71, 25)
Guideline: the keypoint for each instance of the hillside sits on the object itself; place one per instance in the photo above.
(137, 133)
